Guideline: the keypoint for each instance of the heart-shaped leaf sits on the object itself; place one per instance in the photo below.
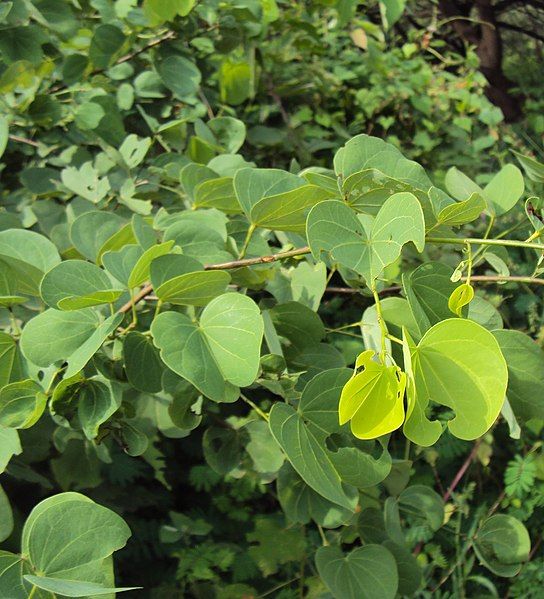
(368, 572)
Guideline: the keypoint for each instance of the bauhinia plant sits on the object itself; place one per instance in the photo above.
(206, 313)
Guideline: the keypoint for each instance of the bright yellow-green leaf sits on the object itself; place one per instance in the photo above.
(460, 297)
(372, 400)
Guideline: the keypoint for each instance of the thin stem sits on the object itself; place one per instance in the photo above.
(345, 326)
(32, 591)
(322, 535)
(381, 322)
(480, 241)
(226, 266)
(133, 308)
(255, 407)
(461, 472)
(249, 235)
(395, 339)
(506, 279)
(157, 309)
(469, 263)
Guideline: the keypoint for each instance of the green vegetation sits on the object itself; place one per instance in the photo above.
(271, 312)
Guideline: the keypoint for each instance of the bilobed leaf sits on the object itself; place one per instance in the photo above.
(105, 43)
(368, 572)
(306, 453)
(263, 450)
(85, 182)
(372, 401)
(21, 404)
(73, 588)
(11, 576)
(334, 230)
(504, 190)
(90, 231)
(223, 348)
(76, 284)
(525, 361)
(502, 545)
(217, 193)
(457, 364)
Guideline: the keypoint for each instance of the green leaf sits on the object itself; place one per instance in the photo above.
(424, 504)
(460, 186)
(457, 364)
(307, 455)
(70, 534)
(391, 11)
(29, 255)
(4, 134)
(409, 571)
(74, 337)
(368, 247)
(6, 520)
(262, 448)
(180, 75)
(21, 404)
(9, 446)
(85, 182)
(462, 212)
(76, 284)
(91, 230)
(372, 401)
(460, 297)
(11, 368)
(502, 545)
(368, 572)
(222, 449)
(217, 193)
(234, 81)
(106, 42)
(160, 11)
(97, 401)
(11, 579)
(504, 190)
(224, 346)
(140, 271)
(181, 280)
(428, 289)
(525, 361)
(73, 588)
(533, 168)
(276, 199)
(297, 323)
(143, 365)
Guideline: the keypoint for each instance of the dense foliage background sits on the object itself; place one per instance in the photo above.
(122, 123)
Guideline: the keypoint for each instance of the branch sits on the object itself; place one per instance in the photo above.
(461, 472)
(518, 29)
(24, 140)
(224, 266)
(506, 279)
(167, 36)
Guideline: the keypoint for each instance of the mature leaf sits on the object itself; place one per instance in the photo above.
(462, 212)
(9, 446)
(73, 588)
(457, 364)
(11, 368)
(180, 75)
(460, 186)
(29, 255)
(76, 284)
(140, 271)
(504, 190)
(21, 404)
(366, 247)
(502, 545)
(6, 519)
(262, 448)
(368, 572)
(97, 401)
(223, 348)
(525, 361)
(423, 503)
(143, 365)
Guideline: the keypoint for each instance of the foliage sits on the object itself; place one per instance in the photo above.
(249, 345)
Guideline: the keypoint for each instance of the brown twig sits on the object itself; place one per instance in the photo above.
(506, 279)
(224, 266)
(461, 472)
(167, 36)
(24, 140)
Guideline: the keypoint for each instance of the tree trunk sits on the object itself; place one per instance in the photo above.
(487, 39)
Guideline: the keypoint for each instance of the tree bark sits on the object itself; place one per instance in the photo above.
(486, 37)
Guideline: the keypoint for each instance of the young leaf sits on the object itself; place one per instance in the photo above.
(460, 297)
(373, 399)
(21, 404)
